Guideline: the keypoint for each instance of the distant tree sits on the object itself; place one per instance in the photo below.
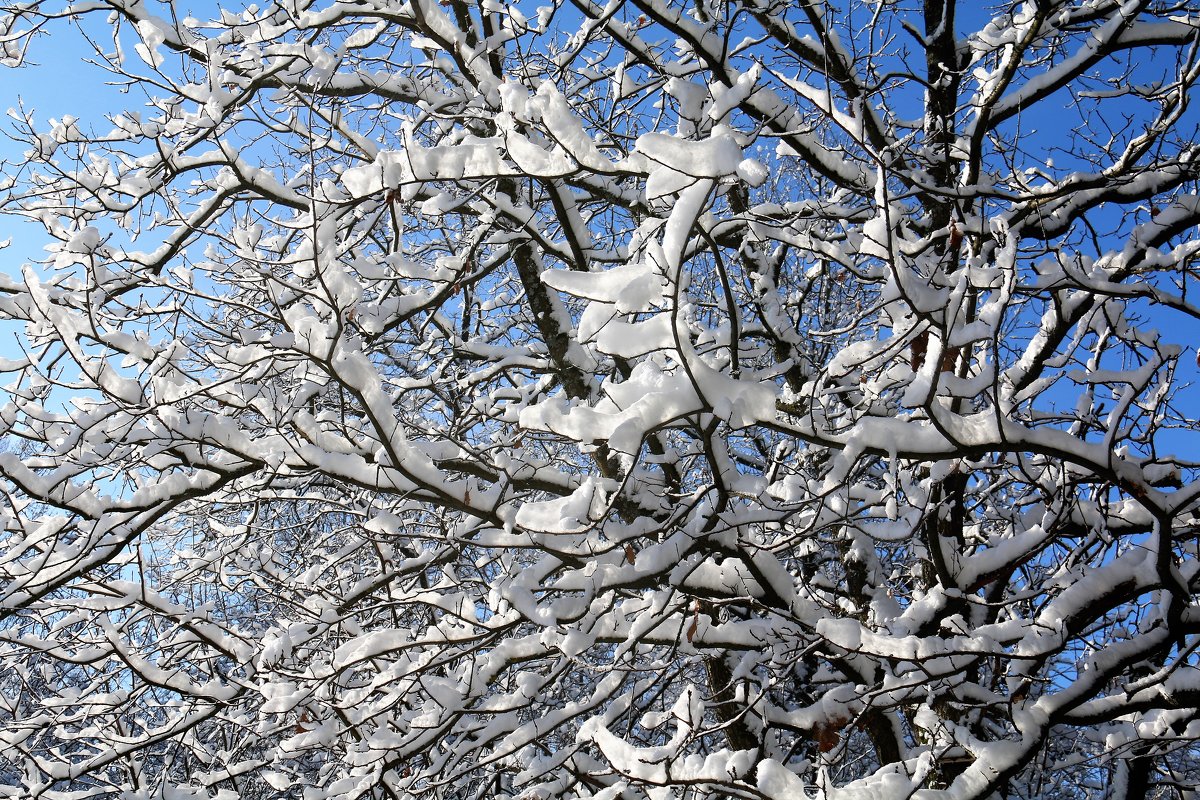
(750, 399)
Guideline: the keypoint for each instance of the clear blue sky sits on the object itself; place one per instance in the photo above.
(59, 82)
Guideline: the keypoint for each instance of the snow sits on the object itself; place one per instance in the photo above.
(631, 287)
(632, 339)
(576, 512)
(153, 32)
(674, 163)
(291, 453)
(652, 397)
(473, 157)
(777, 782)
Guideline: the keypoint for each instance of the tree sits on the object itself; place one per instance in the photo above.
(611, 400)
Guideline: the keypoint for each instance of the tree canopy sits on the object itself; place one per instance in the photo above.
(732, 399)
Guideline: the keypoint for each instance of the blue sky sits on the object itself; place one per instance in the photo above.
(59, 82)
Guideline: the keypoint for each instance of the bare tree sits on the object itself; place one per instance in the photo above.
(745, 400)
